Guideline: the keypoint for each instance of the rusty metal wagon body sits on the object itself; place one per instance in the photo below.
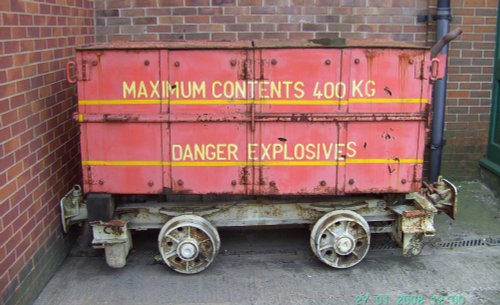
(188, 137)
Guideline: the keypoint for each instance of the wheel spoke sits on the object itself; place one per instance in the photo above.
(172, 238)
(360, 237)
(346, 226)
(169, 255)
(205, 240)
(327, 246)
(336, 262)
(330, 230)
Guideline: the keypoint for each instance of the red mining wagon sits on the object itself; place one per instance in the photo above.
(188, 137)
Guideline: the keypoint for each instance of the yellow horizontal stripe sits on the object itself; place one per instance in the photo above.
(207, 163)
(119, 102)
(259, 102)
(301, 102)
(386, 100)
(123, 163)
(384, 161)
(251, 163)
(297, 163)
(208, 102)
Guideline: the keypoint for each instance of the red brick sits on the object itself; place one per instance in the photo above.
(145, 20)
(197, 2)
(5, 33)
(249, 19)
(14, 171)
(250, 2)
(16, 267)
(237, 27)
(210, 11)
(7, 261)
(263, 10)
(10, 216)
(160, 28)
(6, 162)
(223, 19)
(12, 47)
(10, 19)
(197, 19)
(184, 11)
(223, 36)
(223, 2)
(170, 2)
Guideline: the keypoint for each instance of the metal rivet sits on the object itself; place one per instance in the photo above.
(351, 181)
(177, 63)
(328, 62)
(151, 183)
(146, 62)
(357, 61)
(322, 183)
(94, 63)
(233, 183)
(101, 182)
(274, 62)
(233, 62)
(411, 61)
(272, 184)
(403, 181)
(180, 182)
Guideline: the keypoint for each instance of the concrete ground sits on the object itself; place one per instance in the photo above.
(461, 265)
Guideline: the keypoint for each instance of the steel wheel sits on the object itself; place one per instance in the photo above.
(188, 243)
(340, 238)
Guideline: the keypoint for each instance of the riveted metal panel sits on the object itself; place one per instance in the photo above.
(254, 121)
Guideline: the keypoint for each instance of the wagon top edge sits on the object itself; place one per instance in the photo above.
(256, 44)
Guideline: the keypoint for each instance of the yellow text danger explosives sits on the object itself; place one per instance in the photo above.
(264, 152)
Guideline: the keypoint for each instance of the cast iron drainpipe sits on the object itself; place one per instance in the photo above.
(439, 92)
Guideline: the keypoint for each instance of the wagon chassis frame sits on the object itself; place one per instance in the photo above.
(407, 218)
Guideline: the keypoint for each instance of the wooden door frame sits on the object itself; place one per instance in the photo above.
(492, 160)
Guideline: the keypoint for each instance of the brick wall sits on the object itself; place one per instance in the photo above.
(469, 87)
(471, 61)
(39, 154)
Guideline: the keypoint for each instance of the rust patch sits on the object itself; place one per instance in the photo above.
(243, 176)
(387, 135)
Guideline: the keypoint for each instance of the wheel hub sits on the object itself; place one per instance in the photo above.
(344, 245)
(188, 249)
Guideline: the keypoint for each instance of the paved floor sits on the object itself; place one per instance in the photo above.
(258, 266)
